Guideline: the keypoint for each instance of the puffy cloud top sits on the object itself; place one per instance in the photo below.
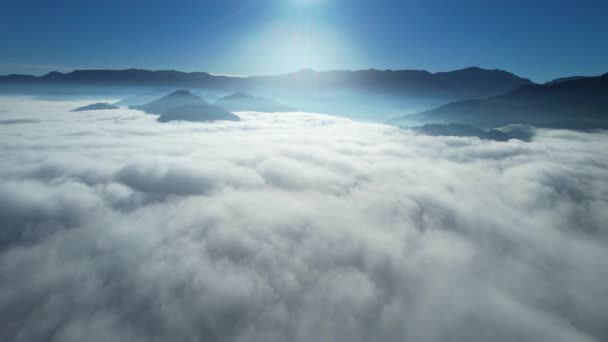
(295, 227)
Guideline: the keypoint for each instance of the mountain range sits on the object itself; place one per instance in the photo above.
(182, 105)
(363, 94)
(460, 130)
(468, 83)
(240, 102)
(174, 99)
(471, 96)
(95, 106)
(577, 103)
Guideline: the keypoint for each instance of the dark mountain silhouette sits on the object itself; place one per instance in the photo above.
(244, 102)
(142, 98)
(564, 79)
(197, 113)
(466, 83)
(364, 94)
(95, 106)
(131, 77)
(460, 130)
(182, 105)
(175, 99)
(469, 82)
(575, 104)
(16, 78)
(370, 94)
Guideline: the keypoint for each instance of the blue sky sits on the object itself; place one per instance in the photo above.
(539, 39)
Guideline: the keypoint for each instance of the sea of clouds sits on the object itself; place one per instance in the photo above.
(295, 227)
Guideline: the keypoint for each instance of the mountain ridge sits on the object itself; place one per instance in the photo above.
(580, 103)
(360, 94)
(371, 78)
(238, 102)
(175, 99)
(182, 105)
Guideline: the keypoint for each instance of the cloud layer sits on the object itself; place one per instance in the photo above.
(295, 227)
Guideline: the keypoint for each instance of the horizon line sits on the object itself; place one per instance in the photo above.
(68, 70)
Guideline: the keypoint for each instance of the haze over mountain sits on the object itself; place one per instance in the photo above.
(172, 100)
(95, 106)
(564, 79)
(579, 104)
(468, 83)
(365, 94)
(472, 96)
(239, 102)
(182, 105)
(142, 98)
(197, 113)
(460, 130)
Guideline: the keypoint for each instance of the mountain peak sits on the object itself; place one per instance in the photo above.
(237, 96)
(476, 69)
(53, 74)
(175, 99)
(473, 68)
(565, 79)
(181, 92)
(570, 104)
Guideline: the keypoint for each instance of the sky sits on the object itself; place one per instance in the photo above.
(541, 40)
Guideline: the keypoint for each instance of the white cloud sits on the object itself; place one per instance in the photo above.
(296, 227)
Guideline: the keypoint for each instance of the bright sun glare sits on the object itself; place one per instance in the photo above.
(299, 37)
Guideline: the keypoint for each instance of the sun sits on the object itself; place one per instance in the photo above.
(301, 35)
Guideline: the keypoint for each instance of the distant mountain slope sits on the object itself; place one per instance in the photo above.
(175, 99)
(244, 102)
(129, 77)
(564, 79)
(460, 130)
(577, 104)
(95, 106)
(142, 98)
(469, 82)
(466, 83)
(364, 94)
(182, 105)
(197, 113)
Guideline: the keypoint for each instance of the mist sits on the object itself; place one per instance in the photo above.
(294, 227)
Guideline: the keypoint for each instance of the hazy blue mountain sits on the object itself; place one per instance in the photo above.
(374, 95)
(564, 79)
(197, 113)
(177, 98)
(239, 102)
(142, 98)
(130, 77)
(182, 105)
(16, 78)
(311, 90)
(469, 82)
(95, 106)
(576, 104)
(466, 83)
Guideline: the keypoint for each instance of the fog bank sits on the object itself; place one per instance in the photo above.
(294, 227)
